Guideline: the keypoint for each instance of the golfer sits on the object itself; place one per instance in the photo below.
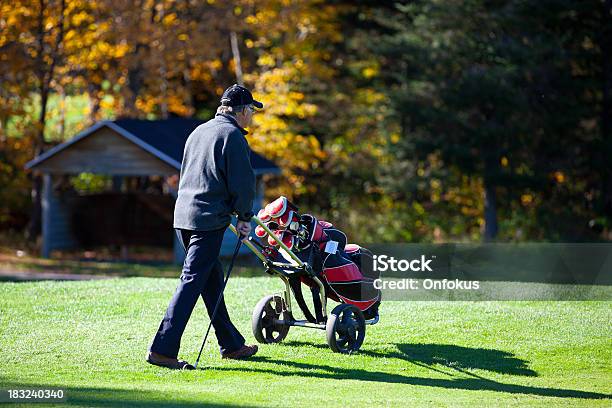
(217, 180)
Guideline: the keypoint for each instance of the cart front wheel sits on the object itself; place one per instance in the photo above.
(266, 315)
(345, 329)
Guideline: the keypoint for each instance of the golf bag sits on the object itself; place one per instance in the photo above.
(346, 269)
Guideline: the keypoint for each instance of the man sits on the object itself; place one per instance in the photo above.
(216, 180)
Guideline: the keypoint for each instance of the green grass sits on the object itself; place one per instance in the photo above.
(90, 338)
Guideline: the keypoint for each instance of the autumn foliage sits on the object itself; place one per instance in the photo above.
(401, 121)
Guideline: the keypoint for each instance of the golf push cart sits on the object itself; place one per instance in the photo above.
(303, 250)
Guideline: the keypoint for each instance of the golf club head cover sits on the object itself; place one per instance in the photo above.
(272, 241)
(286, 219)
(351, 248)
(279, 206)
(286, 237)
(263, 215)
(260, 232)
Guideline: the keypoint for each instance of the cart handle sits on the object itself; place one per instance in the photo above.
(280, 243)
(250, 245)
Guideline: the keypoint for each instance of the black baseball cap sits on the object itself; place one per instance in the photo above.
(237, 95)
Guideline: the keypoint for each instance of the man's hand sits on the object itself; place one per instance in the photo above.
(243, 228)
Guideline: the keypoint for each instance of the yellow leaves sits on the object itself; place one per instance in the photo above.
(504, 161)
(369, 72)
(170, 20)
(266, 60)
(183, 37)
(262, 17)
(526, 199)
(80, 17)
(103, 47)
(216, 64)
(120, 50)
(200, 72)
(11, 20)
(176, 104)
(70, 35)
(272, 134)
(107, 103)
(559, 177)
(370, 97)
(146, 104)
(418, 208)
(274, 90)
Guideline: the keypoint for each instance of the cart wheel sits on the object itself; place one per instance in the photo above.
(345, 329)
(268, 309)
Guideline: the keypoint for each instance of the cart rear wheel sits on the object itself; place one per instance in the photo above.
(345, 329)
(268, 310)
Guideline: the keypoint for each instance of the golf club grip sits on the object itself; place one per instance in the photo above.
(214, 313)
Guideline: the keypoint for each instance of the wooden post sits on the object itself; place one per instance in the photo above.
(46, 215)
(117, 183)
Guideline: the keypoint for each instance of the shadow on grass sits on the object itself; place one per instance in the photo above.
(455, 357)
(109, 397)
(423, 355)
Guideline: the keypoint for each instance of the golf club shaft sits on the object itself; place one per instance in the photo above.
(214, 313)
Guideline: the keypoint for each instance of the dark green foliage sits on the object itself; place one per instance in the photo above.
(509, 93)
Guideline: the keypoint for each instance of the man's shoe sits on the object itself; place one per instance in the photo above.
(168, 362)
(242, 353)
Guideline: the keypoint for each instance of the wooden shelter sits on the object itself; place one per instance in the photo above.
(131, 153)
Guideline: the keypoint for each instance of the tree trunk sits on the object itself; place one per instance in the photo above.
(94, 102)
(45, 76)
(606, 107)
(236, 55)
(62, 129)
(491, 172)
(490, 211)
(36, 194)
(163, 88)
(35, 225)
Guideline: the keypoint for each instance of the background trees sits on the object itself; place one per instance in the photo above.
(423, 120)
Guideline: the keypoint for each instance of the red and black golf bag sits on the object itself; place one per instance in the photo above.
(346, 269)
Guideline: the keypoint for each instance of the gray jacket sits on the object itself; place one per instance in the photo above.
(216, 177)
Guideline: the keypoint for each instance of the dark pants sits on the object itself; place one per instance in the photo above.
(202, 276)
